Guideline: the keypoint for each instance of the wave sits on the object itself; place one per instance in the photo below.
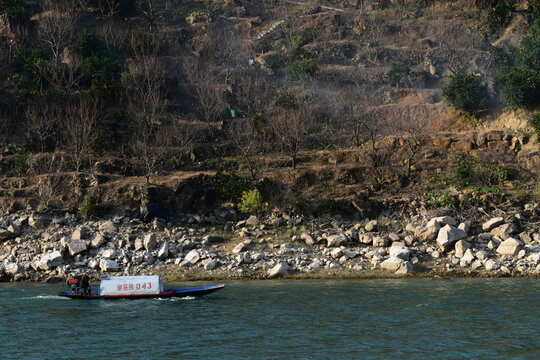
(47, 297)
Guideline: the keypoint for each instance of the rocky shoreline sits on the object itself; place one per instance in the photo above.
(46, 247)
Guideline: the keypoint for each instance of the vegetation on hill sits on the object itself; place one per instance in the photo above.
(149, 87)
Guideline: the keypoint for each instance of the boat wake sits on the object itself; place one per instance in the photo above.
(41, 297)
(177, 299)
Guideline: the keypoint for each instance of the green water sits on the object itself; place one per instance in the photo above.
(367, 319)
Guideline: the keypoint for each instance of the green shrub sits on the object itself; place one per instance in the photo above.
(464, 169)
(501, 58)
(104, 75)
(535, 122)
(252, 202)
(20, 159)
(230, 186)
(15, 9)
(500, 13)
(519, 86)
(534, 7)
(529, 52)
(466, 93)
(87, 44)
(88, 206)
(286, 99)
(302, 68)
(398, 73)
(26, 66)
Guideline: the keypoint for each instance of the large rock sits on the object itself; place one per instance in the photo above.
(225, 213)
(252, 221)
(400, 252)
(108, 265)
(192, 257)
(405, 268)
(336, 240)
(461, 246)
(393, 264)
(504, 231)
(108, 228)
(441, 221)
(371, 226)
(239, 248)
(38, 221)
(97, 241)
(491, 265)
(209, 264)
(150, 242)
(51, 260)
(108, 254)
(307, 238)
(14, 228)
(76, 246)
(365, 238)
(448, 236)
(12, 268)
(427, 233)
(492, 223)
(510, 247)
(381, 241)
(163, 252)
(278, 270)
(467, 258)
(80, 233)
(139, 244)
(5, 235)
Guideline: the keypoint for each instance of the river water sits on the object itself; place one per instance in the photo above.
(344, 319)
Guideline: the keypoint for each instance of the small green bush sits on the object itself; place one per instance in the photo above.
(500, 13)
(88, 206)
(466, 93)
(104, 75)
(464, 168)
(20, 159)
(519, 86)
(230, 186)
(501, 58)
(535, 122)
(26, 66)
(16, 10)
(302, 68)
(398, 73)
(286, 99)
(87, 44)
(529, 52)
(252, 202)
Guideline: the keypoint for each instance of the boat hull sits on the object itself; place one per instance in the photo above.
(166, 294)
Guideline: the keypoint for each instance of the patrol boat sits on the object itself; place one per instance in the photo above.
(134, 287)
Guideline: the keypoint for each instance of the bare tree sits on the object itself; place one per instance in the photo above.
(413, 133)
(149, 146)
(207, 88)
(112, 33)
(56, 26)
(78, 125)
(291, 127)
(248, 143)
(365, 122)
(66, 73)
(45, 172)
(253, 91)
(144, 82)
(42, 121)
(108, 8)
(184, 133)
